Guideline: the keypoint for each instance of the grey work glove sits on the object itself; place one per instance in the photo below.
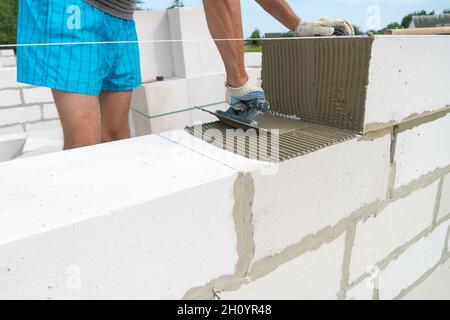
(341, 27)
(247, 101)
(324, 27)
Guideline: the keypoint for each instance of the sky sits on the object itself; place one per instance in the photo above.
(367, 14)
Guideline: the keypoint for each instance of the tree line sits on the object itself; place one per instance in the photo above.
(8, 21)
(406, 20)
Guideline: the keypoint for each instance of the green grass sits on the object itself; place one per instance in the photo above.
(249, 48)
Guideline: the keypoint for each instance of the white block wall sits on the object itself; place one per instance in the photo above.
(156, 57)
(117, 257)
(7, 59)
(11, 146)
(422, 150)
(406, 78)
(117, 220)
(10, 98)
(182, 190)
(295, 214)
(314, 275)
(362, 291)
(398, 223)
(346, 185)
(105, 236)
(22, 107)
(161, 101)
(193, 58)
(413, 263)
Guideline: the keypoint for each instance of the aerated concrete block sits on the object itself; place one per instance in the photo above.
(398, 223)
(10, 97)
(50, 111)
(43, 125)
(9, 116)
(203, 91)
(132, 253)
(435, 287)
(422, 150)
(313, 275)
(161, 106)
(317, 79)
(317, 190)
(8, 62)
(362, 291)
(11, 129)
(115, 221)
(406, 78)
(11, 146)
(8, 78)
(6, 52)
(156, 57)
(197, 55)
(413, 263)
(254, 75)
(37, 95)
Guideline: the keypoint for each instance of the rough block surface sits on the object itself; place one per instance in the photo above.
(398, 223)
(313, 275)
(401, 66)
(422, 150)
(312, 192)
(413, 263)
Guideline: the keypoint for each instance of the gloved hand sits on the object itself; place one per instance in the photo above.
(247, 101)
(324, 27)
(341, 27)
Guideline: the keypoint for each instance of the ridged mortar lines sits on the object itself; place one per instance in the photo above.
(244, 191)
(313, 242)
(309, 137)
(319, 80)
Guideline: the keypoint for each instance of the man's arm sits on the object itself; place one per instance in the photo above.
(225, 22)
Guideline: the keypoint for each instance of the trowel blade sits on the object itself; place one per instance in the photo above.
(233, 122)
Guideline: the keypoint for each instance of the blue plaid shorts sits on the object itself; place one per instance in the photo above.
(62, 51)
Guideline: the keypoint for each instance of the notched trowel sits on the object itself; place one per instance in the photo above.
(234, 121)
(265, 122)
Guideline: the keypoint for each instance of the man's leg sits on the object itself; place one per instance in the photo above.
(281, 11)
(225, 22)
(80, 118)
(115, 107)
